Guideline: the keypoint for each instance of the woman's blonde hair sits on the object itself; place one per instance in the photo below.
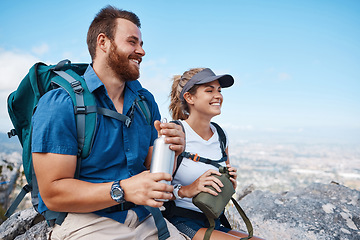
(179, 109)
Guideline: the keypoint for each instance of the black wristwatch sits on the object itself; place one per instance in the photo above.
(117, 193)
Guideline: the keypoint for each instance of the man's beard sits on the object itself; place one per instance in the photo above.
(119, 63)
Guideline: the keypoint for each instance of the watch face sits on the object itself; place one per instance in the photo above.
(117, 192)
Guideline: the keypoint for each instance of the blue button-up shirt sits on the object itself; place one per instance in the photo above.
(118, 152)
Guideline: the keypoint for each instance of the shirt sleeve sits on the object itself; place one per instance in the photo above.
(54, 128)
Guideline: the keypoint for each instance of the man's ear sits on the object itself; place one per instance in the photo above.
(103, 42)
(188, 98)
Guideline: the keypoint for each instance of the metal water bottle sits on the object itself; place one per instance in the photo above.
(162, 157)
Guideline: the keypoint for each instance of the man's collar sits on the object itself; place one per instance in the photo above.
(93, 81)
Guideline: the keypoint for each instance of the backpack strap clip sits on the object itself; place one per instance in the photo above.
(80, 110)
(195, 158)
(12, 133)
(76, 85)
(27, 188)
(127, 122)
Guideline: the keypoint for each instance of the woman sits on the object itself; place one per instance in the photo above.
(195, 99)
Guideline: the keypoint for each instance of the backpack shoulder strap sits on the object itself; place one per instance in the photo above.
(144, 108)
(222, 138)
(82, 98)
(163, 231)
(181, 156)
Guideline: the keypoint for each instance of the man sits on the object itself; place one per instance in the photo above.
(115, 171)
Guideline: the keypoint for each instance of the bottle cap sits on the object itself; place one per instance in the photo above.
(164, 120)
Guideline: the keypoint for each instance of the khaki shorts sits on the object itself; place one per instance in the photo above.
(91, 226)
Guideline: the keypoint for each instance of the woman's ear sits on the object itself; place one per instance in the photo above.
(188, 98)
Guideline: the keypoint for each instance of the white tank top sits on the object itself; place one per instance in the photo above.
(189, 170)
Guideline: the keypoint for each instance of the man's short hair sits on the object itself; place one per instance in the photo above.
(105, 22)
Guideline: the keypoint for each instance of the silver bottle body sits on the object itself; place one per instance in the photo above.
(162, 158)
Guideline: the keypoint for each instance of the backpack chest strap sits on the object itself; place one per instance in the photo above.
(197, 158)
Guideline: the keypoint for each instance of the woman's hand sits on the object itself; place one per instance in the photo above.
(233, 175)
(199, 185)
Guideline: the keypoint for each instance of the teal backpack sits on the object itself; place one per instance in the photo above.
(22, 104)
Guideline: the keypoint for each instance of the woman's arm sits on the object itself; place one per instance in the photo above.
(201, 183)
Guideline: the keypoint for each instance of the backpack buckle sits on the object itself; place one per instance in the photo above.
(27, 188)
(127, 122)
(76, 85)
(80, 110)
(12, 133)
(196, 158)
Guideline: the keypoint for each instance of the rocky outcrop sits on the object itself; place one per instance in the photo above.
(24, 225)
(9, 171)
(319, 211)
(9, 168)
(316, 212)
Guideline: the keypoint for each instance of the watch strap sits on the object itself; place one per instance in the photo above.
(176, 191)
(116, 186)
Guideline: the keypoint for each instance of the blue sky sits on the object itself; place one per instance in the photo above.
(295, 63)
